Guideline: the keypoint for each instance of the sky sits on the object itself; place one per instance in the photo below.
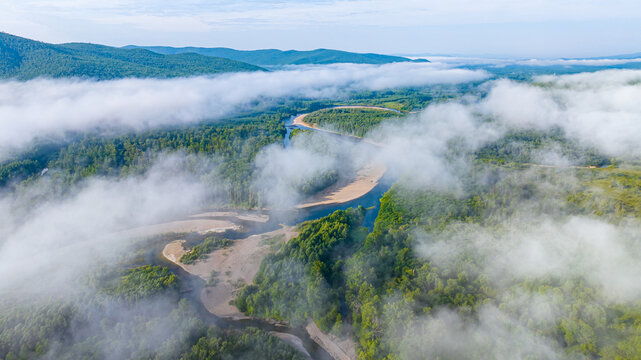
(517, 28)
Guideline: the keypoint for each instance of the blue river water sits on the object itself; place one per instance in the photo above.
(193, 285)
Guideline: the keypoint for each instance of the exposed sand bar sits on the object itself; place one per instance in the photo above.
(190, 225)
(247, 216)
(366, 179)
(235, 265)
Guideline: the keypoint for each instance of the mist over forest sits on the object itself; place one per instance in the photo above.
(451, 209)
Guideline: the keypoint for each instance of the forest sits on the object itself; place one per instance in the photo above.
(201, 250)
(25, 59)
(274, 57)
(427, 260)
(130, 312)
(230, 145)
(385, 283)
(532, 146)
(352, 121)
(314, 258)
(234, 144)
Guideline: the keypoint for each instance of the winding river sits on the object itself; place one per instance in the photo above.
(193, 285)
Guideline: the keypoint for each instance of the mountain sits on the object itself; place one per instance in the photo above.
(272, 57)
(622, 56)
(27, 59)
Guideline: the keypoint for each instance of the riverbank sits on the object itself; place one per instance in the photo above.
(236, 266)
(366, 179)
(339, 349)
(208, 222)
(233, 266)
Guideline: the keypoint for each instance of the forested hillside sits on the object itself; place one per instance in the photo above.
(352, 121)
(271, 57)
(22, 59)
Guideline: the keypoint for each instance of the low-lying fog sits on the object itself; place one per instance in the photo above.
(45, 243)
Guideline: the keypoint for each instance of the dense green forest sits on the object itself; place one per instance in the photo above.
(98, 319)
(412, 99)
(248, 344)
(532, 146)
(22, 59)
(202, 250)
(318, 182)
(233, 143)
(362, 285)
(131, 313)
(352, 121)
(380, 287)
(271, 57)
(443, 273)
(304, 279)
(462, 285)
(380, 282)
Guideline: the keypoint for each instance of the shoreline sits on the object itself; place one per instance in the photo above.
(235, 266)
(239, 263)
(339, 349)
(202, 223)
(300, 121)
(243, 259)
(366, 179)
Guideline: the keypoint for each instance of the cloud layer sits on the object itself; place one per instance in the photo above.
(47, 242)
(49, 108)
(600, 109)
(596, 108)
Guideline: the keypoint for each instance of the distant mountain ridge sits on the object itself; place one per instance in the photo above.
(23, 58)
(621, 56)
(273, 57)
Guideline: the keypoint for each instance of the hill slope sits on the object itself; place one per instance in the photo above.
(272, 57)
(26, 59)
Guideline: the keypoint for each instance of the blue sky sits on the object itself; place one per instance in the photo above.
(533, 28)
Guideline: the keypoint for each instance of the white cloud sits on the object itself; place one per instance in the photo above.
(493, 62)
(44, 108)
(46, 244)
(447, 334)
(599, 109)
(358, 12)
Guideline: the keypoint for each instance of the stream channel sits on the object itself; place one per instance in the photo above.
(192, 286)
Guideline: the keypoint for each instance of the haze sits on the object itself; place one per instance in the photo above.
(544, 28)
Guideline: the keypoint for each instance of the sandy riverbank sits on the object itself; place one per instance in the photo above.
(366, 179)
(202, 226)
(235, 266)
(238, 265)
(300, 121)
(339, 349)
(247, 216)
(212, 221)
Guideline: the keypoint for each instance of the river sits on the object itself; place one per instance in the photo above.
(192, 286)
